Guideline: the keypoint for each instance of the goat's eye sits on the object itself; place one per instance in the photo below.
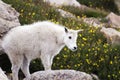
(70, 37)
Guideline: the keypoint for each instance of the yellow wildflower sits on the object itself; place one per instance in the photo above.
(111, 62)
(84, 38)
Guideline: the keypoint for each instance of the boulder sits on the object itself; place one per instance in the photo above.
(65, 14)
(2, 75)
(93, 22)
(112, 35)
(113, 20)
(59, 3)
(8, 19)
(60, 75)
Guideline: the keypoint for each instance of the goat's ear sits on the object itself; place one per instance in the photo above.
(66, 30)
(79, 30)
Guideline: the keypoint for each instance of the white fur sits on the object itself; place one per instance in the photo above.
(2, 75)
(39, 40)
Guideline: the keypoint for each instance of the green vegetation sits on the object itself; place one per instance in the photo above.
(94, 54)
(108, 5)
(88, 12)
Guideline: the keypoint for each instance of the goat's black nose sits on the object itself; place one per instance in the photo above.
(75, 48)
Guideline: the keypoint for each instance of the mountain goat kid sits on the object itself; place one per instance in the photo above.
(38, 40)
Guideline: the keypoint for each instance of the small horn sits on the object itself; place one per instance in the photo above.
(79, 30)
(66, 30)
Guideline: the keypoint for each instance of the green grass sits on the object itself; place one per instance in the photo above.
(94, 55)
(88, 12)
(108, 5)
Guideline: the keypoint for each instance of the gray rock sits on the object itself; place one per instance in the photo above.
(93, 22)
(8, 19)
(65, 14)
(59, 3)
(112, 35)
(60, 75)
(113, 20)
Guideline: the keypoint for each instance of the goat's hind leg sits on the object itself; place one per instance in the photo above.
(25, 67)
(15, 71)
(16, 61)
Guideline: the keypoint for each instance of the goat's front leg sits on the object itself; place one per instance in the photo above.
(46, 62)
(25, 67)
(51, 59)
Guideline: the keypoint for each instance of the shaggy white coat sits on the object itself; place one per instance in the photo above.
(39, 40)
(2, 75)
